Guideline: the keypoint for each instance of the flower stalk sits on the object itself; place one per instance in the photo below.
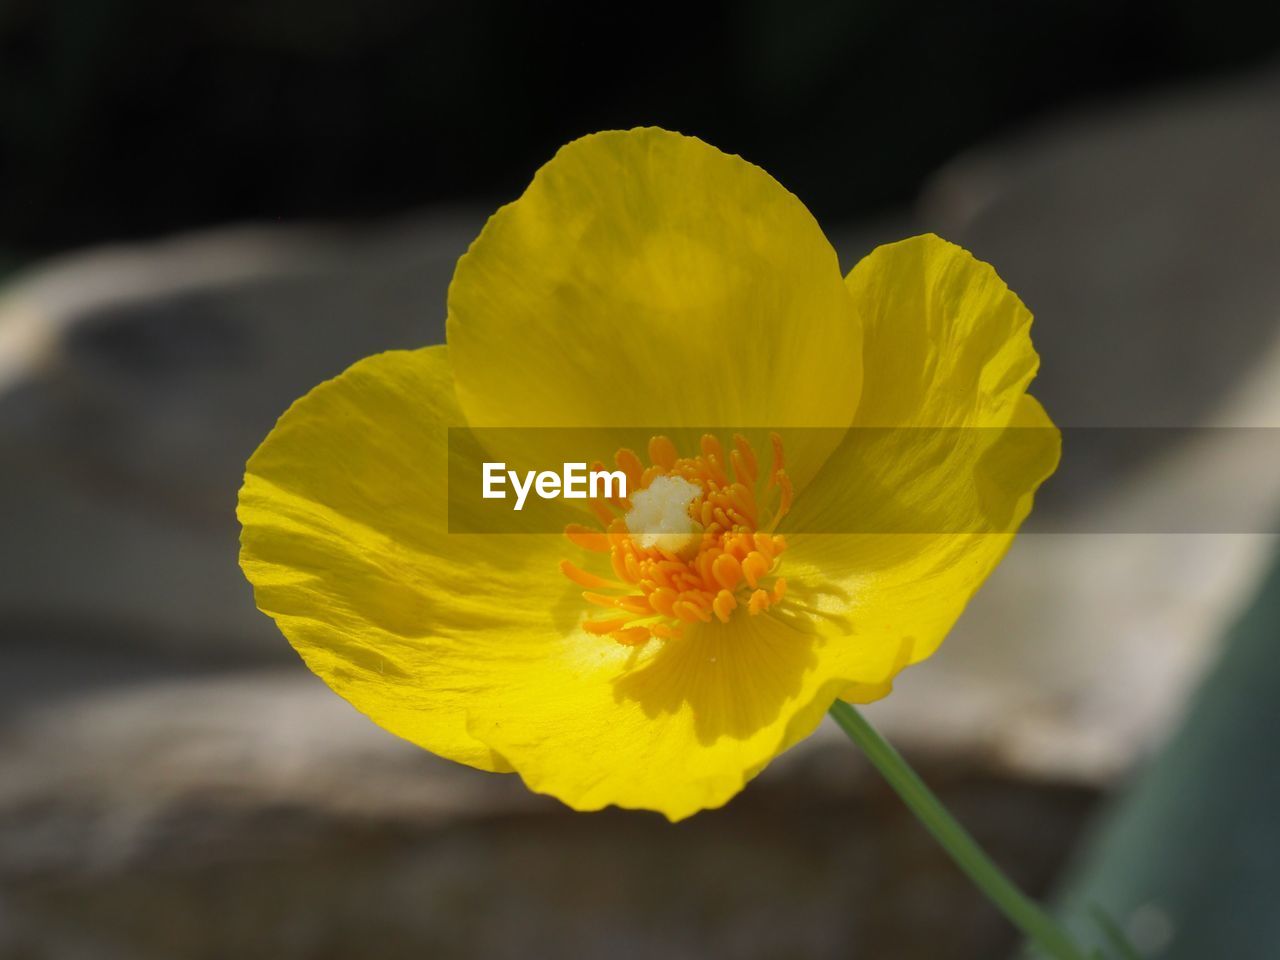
(1027, 915)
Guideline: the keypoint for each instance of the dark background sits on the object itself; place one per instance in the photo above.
(136, 117)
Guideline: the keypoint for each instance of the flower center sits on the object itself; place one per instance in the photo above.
(659, 516)
(695, 540)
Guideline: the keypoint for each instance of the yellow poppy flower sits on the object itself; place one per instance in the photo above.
(645, 278)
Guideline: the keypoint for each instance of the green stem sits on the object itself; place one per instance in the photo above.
(1023, 912)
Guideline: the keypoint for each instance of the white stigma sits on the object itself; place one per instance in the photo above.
(659, 515)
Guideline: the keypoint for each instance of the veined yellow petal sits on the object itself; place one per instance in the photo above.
(471, 645)
(681, 725)
(648, 279)
(344, 517)
(923, 499)
(947, 343)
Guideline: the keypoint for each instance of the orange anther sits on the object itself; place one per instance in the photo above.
(758, 603)
(743, 499)
(663, 452)
(663, 553)
(636, 604)
(784, 500)
(618, 559)
(711, 447)
(601, 627)
(658, 575)
(738, 545)
(745, 465)
(699, 597)
(715, 468)
(723, 605)
(727, 570)
(586, 538)
(690, 612)
(754, 567)
(705, 511)
(662, 600)
(585, 579)
(632, 636)
(630, 464)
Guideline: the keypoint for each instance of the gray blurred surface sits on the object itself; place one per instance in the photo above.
(136, 381)
(176, 784)
(255, 817)
(1185, 863)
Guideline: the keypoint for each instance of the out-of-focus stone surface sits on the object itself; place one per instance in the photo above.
(1142, 237)
(175, 784)
(1215, 787)
(134, 384)
(253, 814)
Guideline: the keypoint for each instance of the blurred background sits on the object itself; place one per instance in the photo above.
(205, 209)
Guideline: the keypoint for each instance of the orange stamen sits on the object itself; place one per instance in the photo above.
(630, 464)
(754, 567)
(633, 636)
(723, 605)
(585, 579)
(745, 465)
(587, 539)
(602, 627)
(725, 566)
(759, 602)
(727, 570)
(662, 452)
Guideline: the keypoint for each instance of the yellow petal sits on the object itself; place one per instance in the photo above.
(471, 645)
(947, 343)
(648, 279)
(923, 500)
(344, 518)
(677, 726)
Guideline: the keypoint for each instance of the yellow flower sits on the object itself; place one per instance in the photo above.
(647, 279)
